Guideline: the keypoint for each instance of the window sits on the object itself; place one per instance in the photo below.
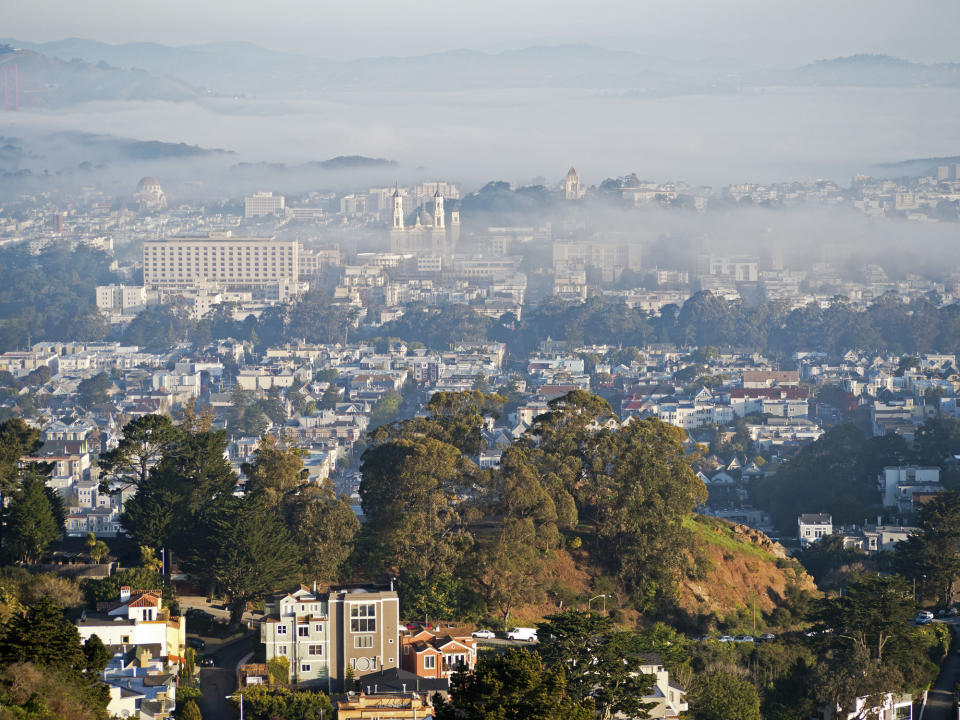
(318, 628)
(281, 649)
(124, 639)
(281, 629)
(315, 650)
(363, 618)
(429, 662)
(406, 649)
(363, 641)
(303, 631)
(304, 668)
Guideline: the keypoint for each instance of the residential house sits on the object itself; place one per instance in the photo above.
(813, 526)
(322, 634)
(667, 698)
(139, 686)
(138, 618)
(435, 655)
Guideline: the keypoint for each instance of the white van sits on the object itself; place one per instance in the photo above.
(526, 634)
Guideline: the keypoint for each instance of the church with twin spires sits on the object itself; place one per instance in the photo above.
(428, 230)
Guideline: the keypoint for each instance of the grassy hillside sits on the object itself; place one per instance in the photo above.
(743, 570)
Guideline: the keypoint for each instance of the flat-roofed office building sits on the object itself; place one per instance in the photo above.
(221, 259)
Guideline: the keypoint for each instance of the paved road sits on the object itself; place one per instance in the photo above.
(221, 680)
(940, 697)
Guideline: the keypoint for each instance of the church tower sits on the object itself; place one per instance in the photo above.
(571, 186)
(397, 210)
(438, 210)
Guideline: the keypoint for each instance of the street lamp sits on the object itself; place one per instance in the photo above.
(230, 697)
(604, 596)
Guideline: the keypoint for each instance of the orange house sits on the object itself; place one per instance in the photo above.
(430, 655)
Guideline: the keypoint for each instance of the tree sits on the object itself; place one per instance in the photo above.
(326, 526)
(601, 665)
(267, 703)
(509, 568)
(330, 397)
(184, 491)
(144, 442)
(42, 635)
(94, 391)
(30, 523)
(97, 656)
(873, 612)
(276, 470)
(16, 440)
(411, 492)
(385, 409)
(930, 557)
(512, 686)
(97, 550)
(190, 711)
(722, 696)
(247, 554)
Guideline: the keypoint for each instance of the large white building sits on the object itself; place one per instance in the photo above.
(262, 203)
(220, 259)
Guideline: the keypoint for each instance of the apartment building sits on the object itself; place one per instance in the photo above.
(323, 634)
(220, 259)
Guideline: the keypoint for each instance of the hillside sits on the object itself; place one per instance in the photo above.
(51, 82)
(745, 569)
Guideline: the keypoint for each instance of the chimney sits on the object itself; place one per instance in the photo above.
(125, 593)
(314, 587)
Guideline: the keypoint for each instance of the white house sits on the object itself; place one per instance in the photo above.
(137, 619)
(813, 526)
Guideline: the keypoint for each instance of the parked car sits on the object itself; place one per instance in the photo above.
(206, 661)
(809, 633)
(485, 634)
(744, 639)
(924, 617)
(196, 643)
(521, 633)
(725, 638)
(767, 637)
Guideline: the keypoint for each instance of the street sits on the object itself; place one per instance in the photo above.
(221, 680)
(940, 698)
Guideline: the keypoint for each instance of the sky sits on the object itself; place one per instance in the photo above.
(776, 32)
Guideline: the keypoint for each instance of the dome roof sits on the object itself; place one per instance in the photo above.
(148, 182)
(571, 173)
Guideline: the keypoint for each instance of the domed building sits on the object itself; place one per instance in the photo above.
(149, 194)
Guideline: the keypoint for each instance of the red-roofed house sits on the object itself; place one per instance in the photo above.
(431, 655)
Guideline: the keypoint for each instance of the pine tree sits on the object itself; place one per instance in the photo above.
(31, 525)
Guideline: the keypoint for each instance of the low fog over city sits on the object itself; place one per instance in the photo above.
(555, 360)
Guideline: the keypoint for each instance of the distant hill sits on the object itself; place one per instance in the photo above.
(75, 69)
(916, 167)
(52, 82)
(868, 71)
(341, 162)
(247, 69)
